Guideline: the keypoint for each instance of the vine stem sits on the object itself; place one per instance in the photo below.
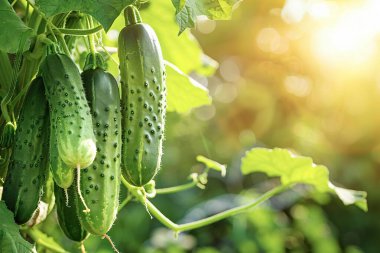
(80, 32)
(177, 228)
(125, 202)
(51, 27)
(178, 188)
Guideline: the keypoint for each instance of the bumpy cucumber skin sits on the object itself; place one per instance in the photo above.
(68, 215)
(143, 102)
(69, 111)
(62, 174)
(28, 166)
(100, 182)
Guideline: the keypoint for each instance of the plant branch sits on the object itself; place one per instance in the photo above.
(178, 188)
(138, 193)
(80, 32)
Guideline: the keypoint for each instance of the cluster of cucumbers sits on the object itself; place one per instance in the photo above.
(86, 131)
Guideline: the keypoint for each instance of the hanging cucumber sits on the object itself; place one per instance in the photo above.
(70, 115)
(100, 182)
(67, 214)
(62, 174)
(143, 99)
(28, 163)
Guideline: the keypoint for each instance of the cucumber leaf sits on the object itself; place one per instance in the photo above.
(10, 238)
(184, 93)
(188, 10)
(298, 169)
(13, 30)
(183, 51)
(105, 11)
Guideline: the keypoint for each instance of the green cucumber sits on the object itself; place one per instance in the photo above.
(6, 139)
(143, 99)
(28, 166)
(62, 174)
(101, 181)
(70, 115)
(67, 214)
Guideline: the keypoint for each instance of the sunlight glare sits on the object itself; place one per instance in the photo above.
(351, 39)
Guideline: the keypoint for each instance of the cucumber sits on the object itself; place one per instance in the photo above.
(28, 166)
(6, 139)
(70, 115)
(62, 174)
(101, 181)
(143, 99)
(67, 214)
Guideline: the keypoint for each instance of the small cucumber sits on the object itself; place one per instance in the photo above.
(143, 99)
(28, 166)
(62, 174)
(100, 182)
(67, 214)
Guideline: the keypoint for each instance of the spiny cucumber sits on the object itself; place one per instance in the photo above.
(67, 214)
(100, 182)
(143, 99)
(28, 164)
(70, 115)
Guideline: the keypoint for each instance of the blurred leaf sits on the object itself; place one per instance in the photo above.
(105, 11)
(212, 164)
(287, 166)
(14, 31)
(298, 169)
(351, 197)
(10, 238)
(188, 10)
(184, 93)
(183, 51)
(45, 240)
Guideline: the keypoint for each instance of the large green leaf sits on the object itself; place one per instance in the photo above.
(184, 93)
(105, 11)
(13, 30)
(297, 169)
(188, 10)
(10, 238)
(183, 51)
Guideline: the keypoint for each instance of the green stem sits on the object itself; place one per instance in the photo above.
(51, 27)
(214, 218)
(136, 191)
(175, 189)
(35, 235)
(80, 32)
(125, 202)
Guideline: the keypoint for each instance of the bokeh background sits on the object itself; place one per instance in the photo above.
(297, 74)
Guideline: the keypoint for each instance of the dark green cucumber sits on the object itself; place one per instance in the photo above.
(70, 114)
(100, 182)
(28, 166)
(67, 214)
(143, 99)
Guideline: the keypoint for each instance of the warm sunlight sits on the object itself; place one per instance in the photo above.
(350, 38)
